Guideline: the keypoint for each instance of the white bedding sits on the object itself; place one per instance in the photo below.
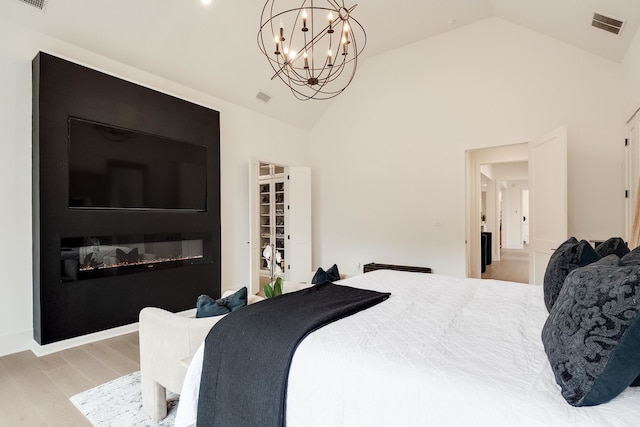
(441, 351)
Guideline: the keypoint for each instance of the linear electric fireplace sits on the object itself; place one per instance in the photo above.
(126, 201)
(90, 257)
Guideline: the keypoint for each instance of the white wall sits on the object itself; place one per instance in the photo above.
(512, 214)
(631, 77)
(388, 154)
(243, 134)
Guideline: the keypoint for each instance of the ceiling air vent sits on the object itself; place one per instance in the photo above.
(607, 23)
(38, 4)
(263, 97)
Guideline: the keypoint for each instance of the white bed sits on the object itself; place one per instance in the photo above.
(441, 351)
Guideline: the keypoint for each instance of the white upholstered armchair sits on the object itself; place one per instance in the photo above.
(167, 343)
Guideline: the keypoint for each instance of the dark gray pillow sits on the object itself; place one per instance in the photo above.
(612, 260)
(632, 258)
(208, 307)
(592, 335)
(613, 245)
(570, 255)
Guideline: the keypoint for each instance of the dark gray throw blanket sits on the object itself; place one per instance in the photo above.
(247, 354)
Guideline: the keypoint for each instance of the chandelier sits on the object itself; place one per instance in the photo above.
(314, 47)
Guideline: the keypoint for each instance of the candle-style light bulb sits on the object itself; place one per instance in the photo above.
(304, 21)
(329, 64)
(330, 16)
(292, 54)
(306, 62)
(277, 40)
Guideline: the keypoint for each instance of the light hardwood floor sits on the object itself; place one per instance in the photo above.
(35, 391)
(513, 266)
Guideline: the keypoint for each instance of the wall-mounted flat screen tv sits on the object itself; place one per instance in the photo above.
(115, 168)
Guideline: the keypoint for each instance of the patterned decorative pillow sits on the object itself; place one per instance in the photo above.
(613, 245)
(208, 307)
(592, 335)
(569, 256)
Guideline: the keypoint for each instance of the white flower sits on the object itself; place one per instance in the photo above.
(266, 253)
(272, 262)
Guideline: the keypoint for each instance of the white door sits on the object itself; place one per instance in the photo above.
(632, 174)
(547, 199)
(298, 220)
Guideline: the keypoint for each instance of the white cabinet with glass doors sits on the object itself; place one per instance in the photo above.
(280, 218)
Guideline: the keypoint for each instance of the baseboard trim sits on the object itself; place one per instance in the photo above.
(43, 350)
(15, 343)
(23, 341)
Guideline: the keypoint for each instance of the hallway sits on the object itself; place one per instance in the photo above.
(513, 266)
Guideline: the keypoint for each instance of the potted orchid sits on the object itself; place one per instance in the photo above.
(273, 258)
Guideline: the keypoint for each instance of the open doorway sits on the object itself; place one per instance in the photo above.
(510, 181)
(498, 201)
(547, 164)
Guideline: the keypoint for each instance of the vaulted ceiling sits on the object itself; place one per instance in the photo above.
(213, 48)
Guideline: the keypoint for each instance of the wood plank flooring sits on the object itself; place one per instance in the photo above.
(35, 391)
(513, 266)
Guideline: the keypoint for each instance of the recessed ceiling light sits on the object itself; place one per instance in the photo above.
(451, 21)
(206, 2)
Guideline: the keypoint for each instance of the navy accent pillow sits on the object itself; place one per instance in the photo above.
(570, 255)
(333, 274)
(613, 245)
(321, 276)
(208, 307)
(592, 334)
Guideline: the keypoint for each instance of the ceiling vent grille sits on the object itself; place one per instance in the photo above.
(263, 97)
(607, 23)
(38, 4)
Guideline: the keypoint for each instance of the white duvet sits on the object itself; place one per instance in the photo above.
(441, 351)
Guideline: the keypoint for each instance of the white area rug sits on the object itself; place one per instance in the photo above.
(119, 403)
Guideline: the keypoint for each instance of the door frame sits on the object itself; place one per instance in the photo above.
(254, 286)
(524, 151)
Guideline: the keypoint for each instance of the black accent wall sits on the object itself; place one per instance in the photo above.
(61, 310)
